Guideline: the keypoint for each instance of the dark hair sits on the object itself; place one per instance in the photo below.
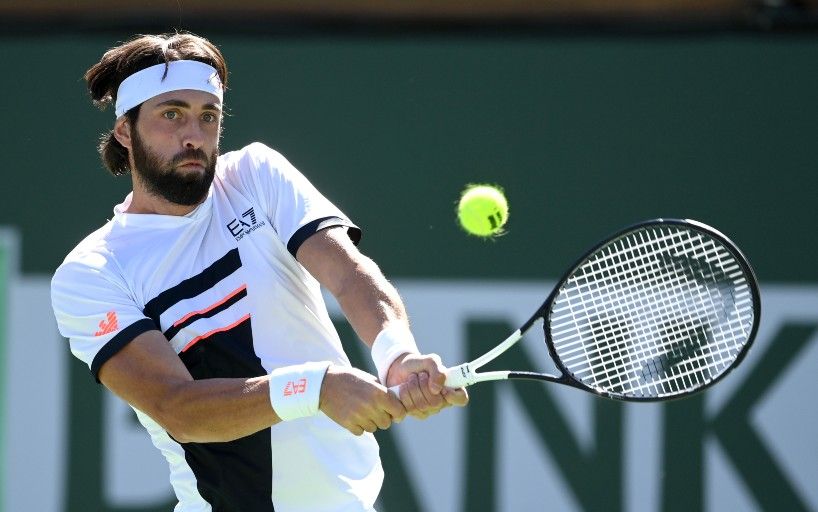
(143, 51)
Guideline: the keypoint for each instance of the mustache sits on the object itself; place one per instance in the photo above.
(190, 154)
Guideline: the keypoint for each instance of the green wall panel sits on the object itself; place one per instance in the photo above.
(585, 133)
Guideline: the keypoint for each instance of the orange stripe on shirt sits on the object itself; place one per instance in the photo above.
(208, 308)
(214, 331)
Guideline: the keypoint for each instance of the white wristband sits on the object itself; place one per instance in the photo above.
(295, 390)
(390, 344)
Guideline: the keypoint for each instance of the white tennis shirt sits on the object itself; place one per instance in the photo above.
(223, 285)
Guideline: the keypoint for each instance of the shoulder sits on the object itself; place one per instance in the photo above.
(256, 170)
(251, 157)
(92, 256)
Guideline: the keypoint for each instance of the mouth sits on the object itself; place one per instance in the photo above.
(191, 164)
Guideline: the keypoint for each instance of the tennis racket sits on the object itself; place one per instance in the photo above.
(657, 311)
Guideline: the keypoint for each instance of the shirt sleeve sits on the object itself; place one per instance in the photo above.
(294, 207)
(94, 311)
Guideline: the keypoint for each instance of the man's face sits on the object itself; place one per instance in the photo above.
(175, 144)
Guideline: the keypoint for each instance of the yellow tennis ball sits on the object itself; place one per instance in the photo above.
(483, 210)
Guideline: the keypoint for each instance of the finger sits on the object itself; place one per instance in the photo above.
(394, 406)
(369, 426)
(458, 397)
(434, 401)
(413, 398)
(414, 388)
(383, 420)
(405, 395)
(419, 414)
(432, 365)
(428, 403)
(437, 374)
(356, 430)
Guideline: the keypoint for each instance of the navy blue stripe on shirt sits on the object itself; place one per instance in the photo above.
(193, 286)
(311, 228)
(232, 299)
(232, 476)
(121, 339)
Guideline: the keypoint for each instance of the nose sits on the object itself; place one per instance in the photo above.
(192, 135)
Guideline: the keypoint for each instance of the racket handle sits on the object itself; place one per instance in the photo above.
(459, 376)
(454, 379)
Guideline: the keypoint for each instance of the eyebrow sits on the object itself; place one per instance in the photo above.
(184, 104)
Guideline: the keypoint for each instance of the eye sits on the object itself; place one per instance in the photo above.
(209, 117)
(170, 114)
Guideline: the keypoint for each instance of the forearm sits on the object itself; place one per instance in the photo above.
(149, 375)
(369, 301)
(377, 314)
(216, 410)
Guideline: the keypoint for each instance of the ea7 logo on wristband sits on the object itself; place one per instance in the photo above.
(294, 388)
(238, 227)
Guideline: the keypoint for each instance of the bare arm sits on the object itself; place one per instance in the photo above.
(371, 304)
(368, 300)
(149, 375)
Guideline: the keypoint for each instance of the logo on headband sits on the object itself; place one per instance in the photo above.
(215, 81)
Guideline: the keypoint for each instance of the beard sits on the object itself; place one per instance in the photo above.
(164, 180)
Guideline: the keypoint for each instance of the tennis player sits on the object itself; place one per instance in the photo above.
(199, 302)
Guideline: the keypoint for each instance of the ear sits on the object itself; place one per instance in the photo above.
(122, 132)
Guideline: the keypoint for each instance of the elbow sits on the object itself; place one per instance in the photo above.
(179, 431)
(185, 427)
(175, 423)
(184, 430)
(175, 413)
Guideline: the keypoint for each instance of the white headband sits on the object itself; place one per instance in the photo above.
(153, 81)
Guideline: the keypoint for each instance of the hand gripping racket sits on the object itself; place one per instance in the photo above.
(659, 310)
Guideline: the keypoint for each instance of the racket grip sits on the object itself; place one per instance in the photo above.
(459, 376)
(453, 380)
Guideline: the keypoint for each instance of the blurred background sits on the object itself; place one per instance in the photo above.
(591, 114)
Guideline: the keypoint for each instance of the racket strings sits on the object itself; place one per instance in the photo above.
(644, 315)
(630, 362)
(678, 334)
(613, 351)
(689, 353)
(682, 335)
(627, 304)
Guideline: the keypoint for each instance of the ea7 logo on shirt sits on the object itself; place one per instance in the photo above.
(108, 325)
(244, 225)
